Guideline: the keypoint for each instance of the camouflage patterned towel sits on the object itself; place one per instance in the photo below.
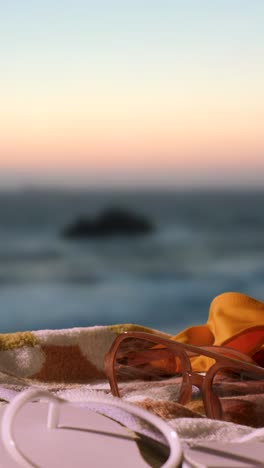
(57, 360)
(70, 363)
(70, 359)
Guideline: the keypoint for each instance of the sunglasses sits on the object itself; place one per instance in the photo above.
(145, 365)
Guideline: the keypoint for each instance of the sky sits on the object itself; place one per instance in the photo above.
(132, 93)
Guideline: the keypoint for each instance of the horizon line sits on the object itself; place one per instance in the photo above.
(67, 188)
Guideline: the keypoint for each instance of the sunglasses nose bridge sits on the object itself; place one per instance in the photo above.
(197, 380)
(211, 401)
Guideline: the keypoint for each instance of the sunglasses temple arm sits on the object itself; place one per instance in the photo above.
(225, 351)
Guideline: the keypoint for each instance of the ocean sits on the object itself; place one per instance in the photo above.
(204, 243)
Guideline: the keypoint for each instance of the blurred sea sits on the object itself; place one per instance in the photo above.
(205, 243)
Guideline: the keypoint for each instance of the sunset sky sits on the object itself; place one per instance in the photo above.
(132, 92)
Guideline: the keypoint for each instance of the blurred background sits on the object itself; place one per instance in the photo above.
(155, 108)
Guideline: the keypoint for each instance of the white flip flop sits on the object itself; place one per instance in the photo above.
(56, 433)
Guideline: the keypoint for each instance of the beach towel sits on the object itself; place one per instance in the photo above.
(70, 363)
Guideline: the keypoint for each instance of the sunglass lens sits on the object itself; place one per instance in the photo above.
(241, 395)
(145, 368)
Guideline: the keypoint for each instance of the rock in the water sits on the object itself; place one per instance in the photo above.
(113, 222)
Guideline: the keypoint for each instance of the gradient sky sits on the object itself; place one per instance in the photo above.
(132, 92)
